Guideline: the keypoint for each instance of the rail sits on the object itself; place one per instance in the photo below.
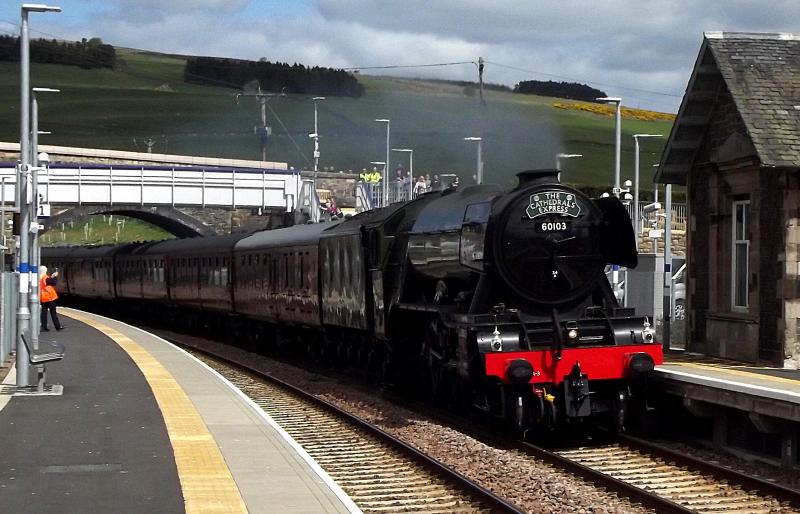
(298, 418)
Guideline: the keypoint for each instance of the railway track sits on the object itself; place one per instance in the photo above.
(669, 482)
(380, 473)
(651, 475)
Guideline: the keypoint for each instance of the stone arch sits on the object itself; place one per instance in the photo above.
(168, 218)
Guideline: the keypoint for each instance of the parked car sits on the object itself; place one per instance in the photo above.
(679, 293)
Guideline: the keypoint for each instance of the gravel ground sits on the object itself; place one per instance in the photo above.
(530, 484)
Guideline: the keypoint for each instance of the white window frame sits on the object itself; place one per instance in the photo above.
(735, 243)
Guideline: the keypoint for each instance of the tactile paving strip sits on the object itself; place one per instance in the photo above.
(207, 483)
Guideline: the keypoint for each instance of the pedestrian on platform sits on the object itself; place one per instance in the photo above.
(48, 297)
(333, 209)
(420, 187)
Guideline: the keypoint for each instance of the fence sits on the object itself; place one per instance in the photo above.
(398, 192)
(657, 219)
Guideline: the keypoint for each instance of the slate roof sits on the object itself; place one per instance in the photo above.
(762, 74)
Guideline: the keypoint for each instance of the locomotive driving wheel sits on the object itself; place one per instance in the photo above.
(433, 360)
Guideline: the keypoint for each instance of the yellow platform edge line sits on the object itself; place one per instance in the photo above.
(735, 372)
(206, 480)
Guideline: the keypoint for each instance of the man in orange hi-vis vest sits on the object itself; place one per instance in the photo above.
(48, 297)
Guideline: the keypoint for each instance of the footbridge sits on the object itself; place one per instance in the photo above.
(187, 200)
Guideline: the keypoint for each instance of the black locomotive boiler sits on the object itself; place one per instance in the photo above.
(496, 299)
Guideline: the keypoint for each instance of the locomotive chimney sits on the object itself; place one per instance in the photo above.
(532, 177)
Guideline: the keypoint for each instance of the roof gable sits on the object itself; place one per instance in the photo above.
(762, 74)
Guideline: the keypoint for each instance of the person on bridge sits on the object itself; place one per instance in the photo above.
(48, 297)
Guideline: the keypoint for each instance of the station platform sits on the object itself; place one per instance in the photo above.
(142, 426)
(710, 387)
(769, 383)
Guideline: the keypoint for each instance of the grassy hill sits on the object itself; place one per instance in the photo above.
(146, 97)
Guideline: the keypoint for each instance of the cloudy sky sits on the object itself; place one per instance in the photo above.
(640, 50)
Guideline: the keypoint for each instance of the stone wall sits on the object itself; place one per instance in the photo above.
(726, 169)
(646, 245)
(227, 220)
(341, 185)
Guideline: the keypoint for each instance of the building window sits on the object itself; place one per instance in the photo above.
(740, 252)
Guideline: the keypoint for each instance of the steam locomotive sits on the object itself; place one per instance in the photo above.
(482, 297)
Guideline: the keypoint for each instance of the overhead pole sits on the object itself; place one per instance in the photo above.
(636, 221)
(616, 190)
(479, 160)
(668, 303)
(35, 306)
(315, 136)
(479, 171)
(386, 166)
(263, 131)
(617, 140)
(410, 152)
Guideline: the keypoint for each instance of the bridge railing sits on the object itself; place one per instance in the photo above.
(156, 185)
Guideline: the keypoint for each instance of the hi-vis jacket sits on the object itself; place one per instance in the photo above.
(47, 293)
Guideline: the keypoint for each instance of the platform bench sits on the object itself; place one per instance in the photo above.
(48, 351)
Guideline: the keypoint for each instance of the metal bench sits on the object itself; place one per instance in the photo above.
(48, 351)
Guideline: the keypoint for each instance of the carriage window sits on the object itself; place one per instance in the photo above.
(273, 280)
(302, 282)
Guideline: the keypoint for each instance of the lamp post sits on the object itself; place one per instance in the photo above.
(315, 136)
(636, 222)
(479, 166)
(23, 196)
(410, 169)
(562, 156)
(617, 138)
(386, 166)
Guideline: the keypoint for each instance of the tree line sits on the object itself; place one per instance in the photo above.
(86, 54)
(274, 77)
(569, 90)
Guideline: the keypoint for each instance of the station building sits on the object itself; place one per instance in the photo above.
(735, 145)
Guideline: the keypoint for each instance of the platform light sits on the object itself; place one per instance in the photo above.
(479, 165)
(617, 137)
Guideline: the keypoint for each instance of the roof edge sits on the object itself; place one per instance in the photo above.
(783, 36)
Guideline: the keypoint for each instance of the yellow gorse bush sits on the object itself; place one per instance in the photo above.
(608, 110)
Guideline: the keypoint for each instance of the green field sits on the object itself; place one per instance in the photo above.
(147, 98)
(103, 229)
